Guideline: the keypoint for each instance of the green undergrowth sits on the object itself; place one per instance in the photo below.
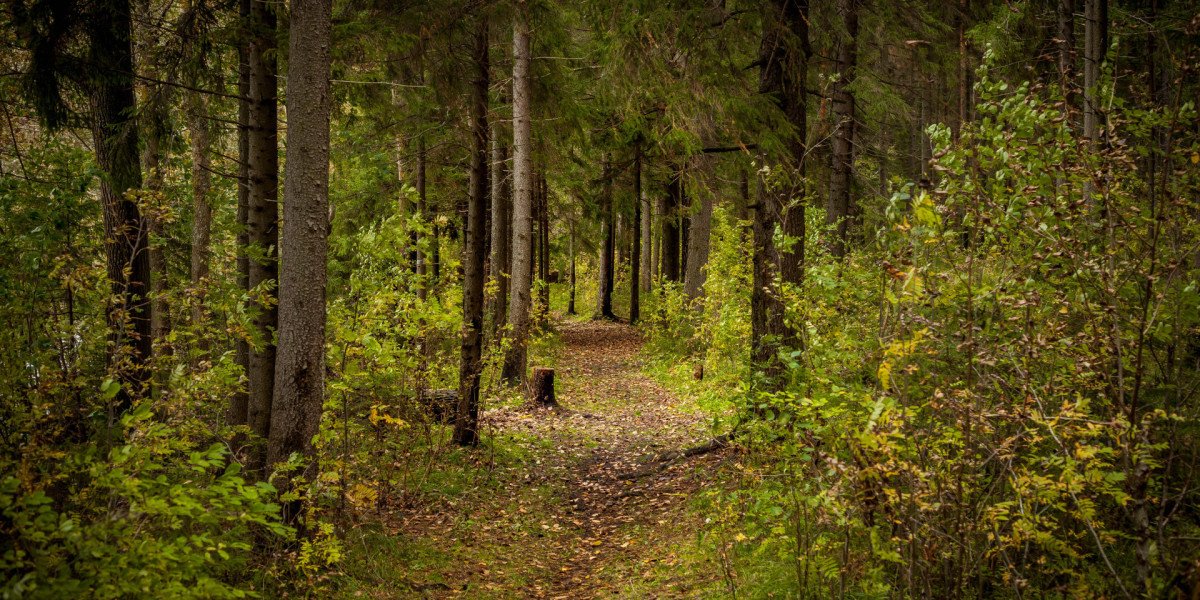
(444, 521)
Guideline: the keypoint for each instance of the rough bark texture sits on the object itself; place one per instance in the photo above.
(522, 262)
(535, 249)
(669, 250)
(466, 424)
(263, 218)
(605, 289)
(544, 247)
(423, 280)
(239, 403)
(198, 129)
(660, 211)
(501, 230)
(966, 101)
(160, 308)
(571, 290)
(699, 232)
(300, 373)
(635, 263)
(126, 234)
(1094, 48)
(541, 387)
(1066, 48)
(646, 228)
(784, 60)
(838, 212)
(685, 229)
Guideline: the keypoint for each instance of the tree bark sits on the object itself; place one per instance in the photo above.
(838, 211)
(645, 231)
(160, 308)
(300, 374)
(1094, 49)
(784, 60)
(699, 234)
(126, 234)
(201, 208)
(522, 273)
(635, 264)
(571, 290)
(964, 70)
(660, 212)
(544, 248)
(466, 424)
(423, 279)
(541, 387)
(239, 403)
(669, 244)
(263, 219)
(1066, 49)
(605, 290)
(501, 231)
(685, 228)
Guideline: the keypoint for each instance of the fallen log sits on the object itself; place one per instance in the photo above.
(712, 445)
(440, 405)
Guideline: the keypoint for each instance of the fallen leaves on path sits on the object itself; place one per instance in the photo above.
(595, 454)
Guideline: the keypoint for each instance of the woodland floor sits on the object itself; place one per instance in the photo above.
(576, 503)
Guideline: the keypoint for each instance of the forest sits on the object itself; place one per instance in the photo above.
(599, 298)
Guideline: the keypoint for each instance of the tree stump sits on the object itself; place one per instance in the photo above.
(541, 387)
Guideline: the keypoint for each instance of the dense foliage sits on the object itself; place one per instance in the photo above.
(928, 269)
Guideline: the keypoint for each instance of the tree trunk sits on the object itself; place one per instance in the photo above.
(838, 212)
(466, 424)
(300, 375)
(501, 230)
(201, 209)
(660, 219)
(544, 249)
(1094, 49)
(669, 245)
(684, 209)
(645, 227)
(619, 228)
(744, 208)
(126, 235)
(522, 274)
(1066, 49)
(635, 264)
(964, 70)
(571, 291)
(160, 308)
(605, 289)
(423, 280)
(404, 203)
(535, 245)
(699, 233)
(263, 219)
(239, 403)
(785, 52)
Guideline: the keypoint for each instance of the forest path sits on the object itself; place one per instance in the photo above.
(570, 502)
(618, 503)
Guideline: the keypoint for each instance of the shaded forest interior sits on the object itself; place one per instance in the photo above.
(595, 298)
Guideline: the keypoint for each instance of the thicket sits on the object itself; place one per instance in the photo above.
(993, 395)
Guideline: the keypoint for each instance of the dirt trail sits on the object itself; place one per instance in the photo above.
(562, 503)
(614, 418)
